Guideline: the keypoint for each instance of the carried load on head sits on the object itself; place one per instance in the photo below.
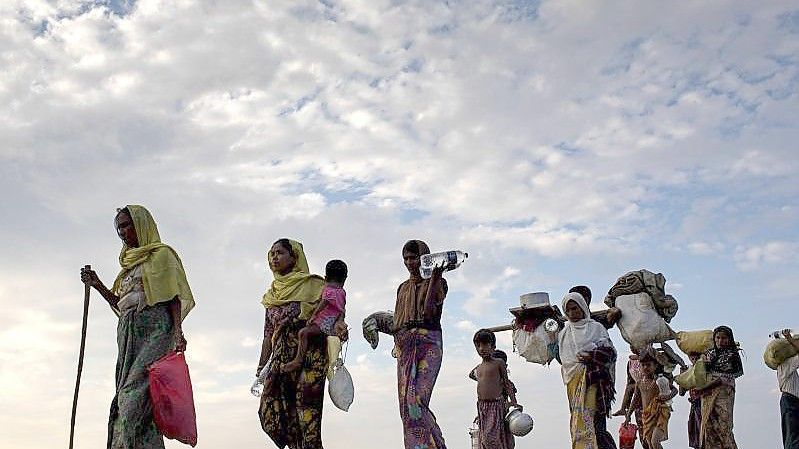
(778, 351)
(645, 308)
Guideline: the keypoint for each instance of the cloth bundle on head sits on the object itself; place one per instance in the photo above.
(163, 275)
(579, 336)
(297, 286)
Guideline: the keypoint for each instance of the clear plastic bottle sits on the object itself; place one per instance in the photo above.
(452, 259)
(257, 388)
(778, 334)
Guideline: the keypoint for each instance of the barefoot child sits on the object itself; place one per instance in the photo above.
(493, 386)
(328, 318)
(657, 409)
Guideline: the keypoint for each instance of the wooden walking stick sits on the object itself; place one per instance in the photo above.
(86, 289)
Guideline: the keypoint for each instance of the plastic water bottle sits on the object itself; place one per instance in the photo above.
(778, 334)
(451, 259)
(257, 388)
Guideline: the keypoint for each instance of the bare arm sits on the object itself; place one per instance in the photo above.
(266, 345)
(90, 278)
(431, 300)
(507, 385)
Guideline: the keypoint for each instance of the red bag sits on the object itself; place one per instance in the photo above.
(173, 401)
(627, 435)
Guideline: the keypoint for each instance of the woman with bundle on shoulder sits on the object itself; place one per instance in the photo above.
(151, 297)
(418, 346)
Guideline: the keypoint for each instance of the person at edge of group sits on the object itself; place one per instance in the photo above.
(723, 362)
(631, 402)
(656, 406)
(588, 360)
(418, 346)
(788, 379)
(291, 404)
(493, 387)
(328, 318)
(695, 415)
(151, 297)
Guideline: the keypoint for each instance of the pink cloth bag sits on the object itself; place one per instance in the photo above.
(172, 398)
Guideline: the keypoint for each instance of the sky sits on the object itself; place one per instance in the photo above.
(557, 142)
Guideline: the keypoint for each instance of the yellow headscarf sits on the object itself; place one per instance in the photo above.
(298, 286)
(162, 271)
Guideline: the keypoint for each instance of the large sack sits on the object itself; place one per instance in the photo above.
(694, 341)
(778, 351)
(538, 346)
(340, 388)
(172, 398)
(694, 377)
(375, 323)
(640, 325)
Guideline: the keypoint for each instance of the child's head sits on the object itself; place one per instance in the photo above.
(485, 342)
(694, 357)
(723, 338)
(649, 362)
(500, 354)
(336, 271)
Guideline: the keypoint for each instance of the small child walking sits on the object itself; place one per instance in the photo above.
(656, 406)
(328, 318)
(493, 387)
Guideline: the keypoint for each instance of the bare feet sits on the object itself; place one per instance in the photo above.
(291, 366)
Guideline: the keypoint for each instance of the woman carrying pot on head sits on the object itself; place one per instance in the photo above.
(291, 404)
(588, 362)
(151, 297)
(419, 348)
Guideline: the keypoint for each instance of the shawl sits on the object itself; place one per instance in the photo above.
(725, 362)
(412, 293)
(297, 286)
(163, 275)
(575, 337)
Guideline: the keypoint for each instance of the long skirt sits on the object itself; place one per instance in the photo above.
(656, 417)
(717, 418)
(493, 430)
(291, 410)
(142, 338)
(419, 354)
(789, 408)
(582, 405)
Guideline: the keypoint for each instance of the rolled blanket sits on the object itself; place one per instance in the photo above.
(376, 323)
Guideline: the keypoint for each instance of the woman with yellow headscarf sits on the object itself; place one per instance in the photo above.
(291, 404)
(151, 297)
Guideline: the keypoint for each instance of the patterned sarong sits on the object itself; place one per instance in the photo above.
(494, 432)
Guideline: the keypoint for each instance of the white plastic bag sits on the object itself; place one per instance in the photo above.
(340, 388)
(640, 323)
(536, 346)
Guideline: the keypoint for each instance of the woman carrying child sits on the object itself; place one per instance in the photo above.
(419, 348)
(291, 404)
(588, 360)
(723, 362)
(494, 388)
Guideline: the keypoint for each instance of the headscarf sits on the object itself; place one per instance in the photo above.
(297, 286)
(411, 294)
(725, 361)
(578, 336)
(163, 275)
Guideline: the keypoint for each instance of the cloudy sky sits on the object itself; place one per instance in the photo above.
(558, 142)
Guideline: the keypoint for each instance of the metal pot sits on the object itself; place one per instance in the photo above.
(519, 423)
